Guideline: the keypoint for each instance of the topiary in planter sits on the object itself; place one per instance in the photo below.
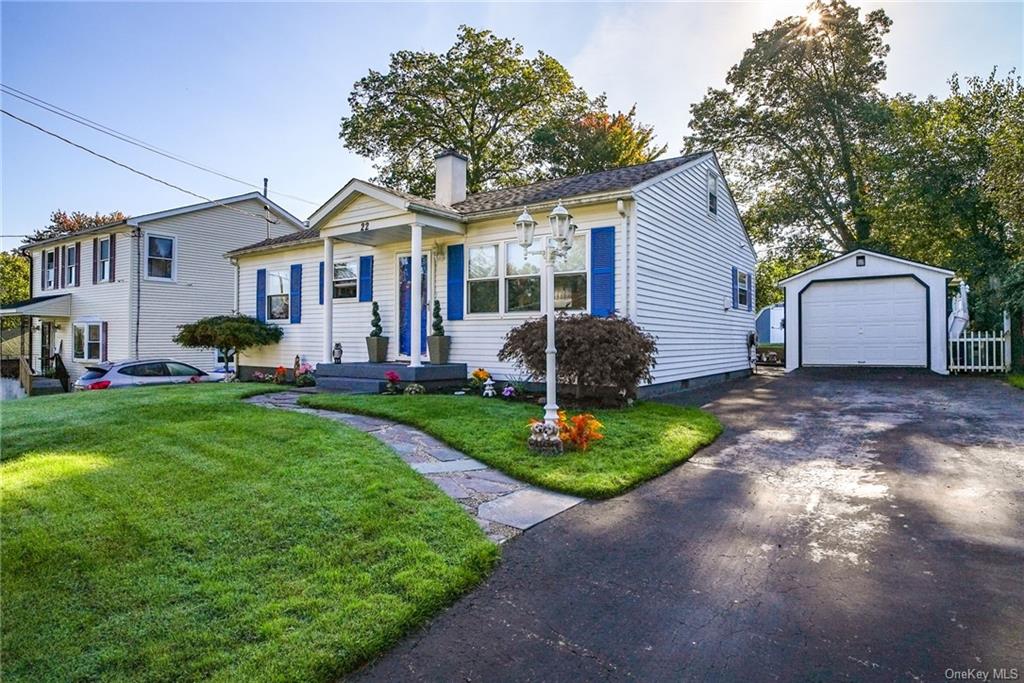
(376, 343)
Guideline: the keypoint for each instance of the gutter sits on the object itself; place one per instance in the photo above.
(581, 200)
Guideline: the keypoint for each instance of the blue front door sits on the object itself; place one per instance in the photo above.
(404, 296)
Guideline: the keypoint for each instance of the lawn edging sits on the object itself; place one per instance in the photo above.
(641, 442)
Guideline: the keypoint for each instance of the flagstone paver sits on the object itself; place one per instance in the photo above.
(503, 507)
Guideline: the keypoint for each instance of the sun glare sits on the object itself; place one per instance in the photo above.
(813, 19)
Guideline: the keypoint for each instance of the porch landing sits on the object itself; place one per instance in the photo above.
(368, 378)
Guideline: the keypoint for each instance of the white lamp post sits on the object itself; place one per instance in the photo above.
(544, 436)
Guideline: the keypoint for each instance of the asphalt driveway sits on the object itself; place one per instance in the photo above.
(843, 527)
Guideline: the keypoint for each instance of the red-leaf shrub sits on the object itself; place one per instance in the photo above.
(597, 355)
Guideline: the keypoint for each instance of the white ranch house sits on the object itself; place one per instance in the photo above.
(661, 243)
(119, 291)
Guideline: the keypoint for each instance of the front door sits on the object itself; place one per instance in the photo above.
(45, 347)
(404, 297)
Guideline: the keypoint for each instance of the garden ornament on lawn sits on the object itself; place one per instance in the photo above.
(489, 388)
(337, 352)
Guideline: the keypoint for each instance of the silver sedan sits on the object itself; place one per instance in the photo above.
(138, 373)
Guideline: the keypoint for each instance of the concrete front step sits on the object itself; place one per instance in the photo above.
(352, 385)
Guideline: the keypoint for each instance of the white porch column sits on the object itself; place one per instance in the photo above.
(415, 295)
(328, 332)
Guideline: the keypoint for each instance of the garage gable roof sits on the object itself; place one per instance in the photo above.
(877, 254)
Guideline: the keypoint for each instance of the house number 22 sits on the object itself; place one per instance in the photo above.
(364, 226)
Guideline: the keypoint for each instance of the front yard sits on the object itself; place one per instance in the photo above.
(640, 442)
(177, 533)
(1016, 380)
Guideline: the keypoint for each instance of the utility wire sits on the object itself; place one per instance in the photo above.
(124, 137)
(137, 171)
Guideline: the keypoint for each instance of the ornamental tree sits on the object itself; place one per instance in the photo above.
(227, 333)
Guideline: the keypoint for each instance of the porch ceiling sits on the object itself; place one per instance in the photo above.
(391, 234)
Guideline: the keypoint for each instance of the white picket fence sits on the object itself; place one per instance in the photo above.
(981, 351)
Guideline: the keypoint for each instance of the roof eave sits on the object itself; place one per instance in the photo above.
(578, 200)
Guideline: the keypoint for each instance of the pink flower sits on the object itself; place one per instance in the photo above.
(391, 376)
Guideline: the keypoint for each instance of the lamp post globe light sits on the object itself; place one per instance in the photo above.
(544, 435)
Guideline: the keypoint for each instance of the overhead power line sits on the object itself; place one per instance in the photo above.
(124, 137)
(135, 170)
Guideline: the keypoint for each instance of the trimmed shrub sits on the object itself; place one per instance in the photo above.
(599, 356)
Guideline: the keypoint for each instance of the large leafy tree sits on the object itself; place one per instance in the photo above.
(796, 122)
(14, 284)
(227, 333)
(949, 186)
(64, 223)
(596, 140)
(483, 97)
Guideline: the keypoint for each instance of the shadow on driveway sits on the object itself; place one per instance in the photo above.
(843, 526)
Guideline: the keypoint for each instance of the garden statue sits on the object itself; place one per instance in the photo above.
(337, 352)
(545, 438)
(489, 388)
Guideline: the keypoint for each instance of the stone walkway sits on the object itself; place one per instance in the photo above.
(503, 507)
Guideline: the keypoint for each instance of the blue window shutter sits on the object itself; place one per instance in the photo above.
(295, 296)
(735, 288)
(456, 280)
(366, 278)
(261, 295)
(602, 271)
(321, 283)
(750, 291)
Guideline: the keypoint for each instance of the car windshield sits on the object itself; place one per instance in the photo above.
(94, 373)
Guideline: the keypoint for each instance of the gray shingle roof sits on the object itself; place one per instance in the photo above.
(573, 186)
(543, 191)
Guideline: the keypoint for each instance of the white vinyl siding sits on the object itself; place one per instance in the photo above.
(685, 257)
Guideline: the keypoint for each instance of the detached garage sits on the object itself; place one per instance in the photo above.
(867, 309)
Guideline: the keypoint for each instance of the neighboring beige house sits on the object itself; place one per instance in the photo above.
(661, 243)
(119, 291)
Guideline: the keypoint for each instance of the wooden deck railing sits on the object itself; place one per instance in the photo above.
(25, 375)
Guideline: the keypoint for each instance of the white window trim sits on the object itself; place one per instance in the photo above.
(86, 324)
(354, 262)
(100, 261)
(51, 273)
(712, 175)
(502, 313)
(741, 275)
(70, 265)
(145, 257)
(288, 293)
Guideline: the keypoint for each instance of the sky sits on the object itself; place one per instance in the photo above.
(257, 90)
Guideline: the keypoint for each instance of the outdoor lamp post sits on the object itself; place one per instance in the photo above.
(544, 435)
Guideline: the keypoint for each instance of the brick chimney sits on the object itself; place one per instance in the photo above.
(449, 177)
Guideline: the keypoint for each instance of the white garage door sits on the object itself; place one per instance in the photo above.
(865, 322)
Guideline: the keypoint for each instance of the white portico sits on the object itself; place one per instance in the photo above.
(364, 214)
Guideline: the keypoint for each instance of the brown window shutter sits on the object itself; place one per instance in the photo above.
(95, 258)
(42, 271)
(113, 254)
(78, 264)
(103, 341)
(62, 260)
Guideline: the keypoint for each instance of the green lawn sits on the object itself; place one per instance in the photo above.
(176, 533)
(640, 442)
(1016, 380)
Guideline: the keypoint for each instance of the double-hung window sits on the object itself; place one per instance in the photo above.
(522, 278)
(103, 260)
(571, 278)
(278, 288)
(50, 265)
(742, 289)
(483, 279)
(71, 265)
(345, 280)
(160, 255)
(502, 278)
(88, 341)
(712, 193)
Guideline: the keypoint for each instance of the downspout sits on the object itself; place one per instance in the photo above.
(620, 207)
(629, 234)
(137, 236)
(238, 280)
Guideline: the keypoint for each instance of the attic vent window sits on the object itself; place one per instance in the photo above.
(860, 260)
(712, 193)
